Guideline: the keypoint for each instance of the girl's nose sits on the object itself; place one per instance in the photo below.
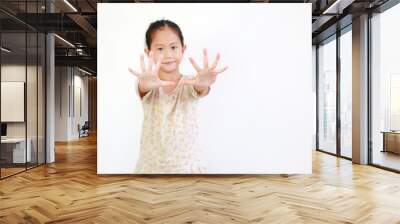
(168, 53)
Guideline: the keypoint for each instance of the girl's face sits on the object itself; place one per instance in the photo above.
(167, 45)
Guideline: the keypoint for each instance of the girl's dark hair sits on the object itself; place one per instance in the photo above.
(154, 26)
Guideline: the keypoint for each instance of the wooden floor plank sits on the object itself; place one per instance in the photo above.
(70, 191)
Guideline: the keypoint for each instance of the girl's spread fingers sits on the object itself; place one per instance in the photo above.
(137, 74)
(205, 58)
(150, 64)
(158, 65)
(214, 65)
(142, 66)
(150, 61)
(221, 70)
(195, 65)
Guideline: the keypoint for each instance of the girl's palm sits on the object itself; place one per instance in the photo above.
(148, 78)
(207, 75)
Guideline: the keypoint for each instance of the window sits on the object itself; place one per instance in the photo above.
(346, 93)
(385, 89)
(327, 96)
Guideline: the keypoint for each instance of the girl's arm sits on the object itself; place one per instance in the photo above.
(140, 91)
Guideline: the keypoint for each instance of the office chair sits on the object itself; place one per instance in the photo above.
(84, 130)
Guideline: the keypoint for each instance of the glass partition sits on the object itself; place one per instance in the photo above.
(22, 78)
(14, 153)
(327, 96)
(385, 89)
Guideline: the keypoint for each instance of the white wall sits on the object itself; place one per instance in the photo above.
(80, 84)
(15, 72)
(61, 103)
(68, 81)
(258, 116)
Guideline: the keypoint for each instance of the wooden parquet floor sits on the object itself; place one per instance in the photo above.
(70, 191)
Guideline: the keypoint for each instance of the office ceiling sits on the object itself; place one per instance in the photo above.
(77, 22)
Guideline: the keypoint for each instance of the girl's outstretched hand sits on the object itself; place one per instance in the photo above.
(207, 75)
(148, 78)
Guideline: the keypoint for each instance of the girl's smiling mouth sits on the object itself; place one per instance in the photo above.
(168, 62)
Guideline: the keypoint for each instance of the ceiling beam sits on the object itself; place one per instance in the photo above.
(84, 24)
(85, 61)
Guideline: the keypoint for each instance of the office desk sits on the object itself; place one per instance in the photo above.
(13, 150)
(391, 141)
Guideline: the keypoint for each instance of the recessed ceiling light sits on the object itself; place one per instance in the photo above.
(70, 5)
(5, 50)
(64, 40)
(86, 72)
(338, 6)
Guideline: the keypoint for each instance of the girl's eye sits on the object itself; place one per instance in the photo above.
(159, 49)
(174, 47)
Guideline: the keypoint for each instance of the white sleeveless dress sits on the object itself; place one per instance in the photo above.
(169, 142)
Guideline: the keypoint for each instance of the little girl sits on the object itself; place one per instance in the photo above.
(169, 141)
